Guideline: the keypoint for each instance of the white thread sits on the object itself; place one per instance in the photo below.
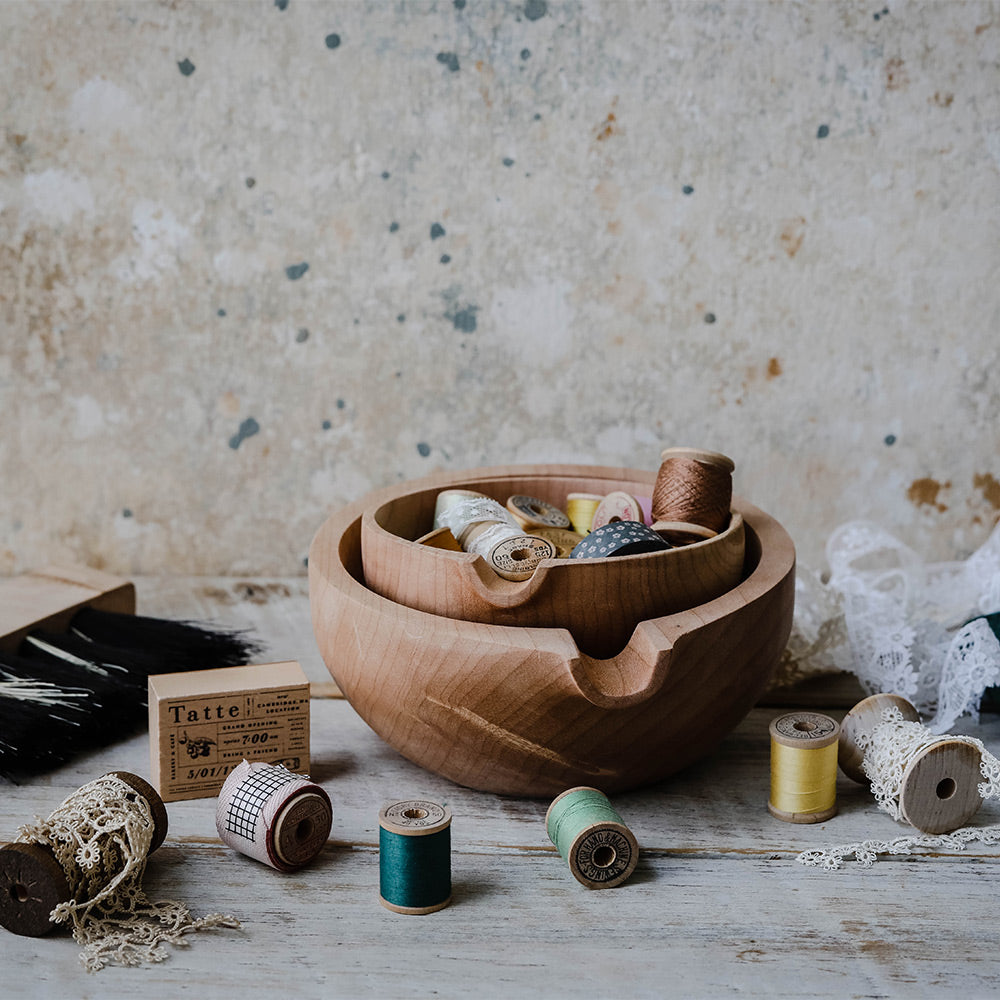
(894, 742)
(41, 692)
(463, 514)
(866, 852)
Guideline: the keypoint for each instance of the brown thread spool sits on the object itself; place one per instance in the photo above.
(33, 883)
(693, 493)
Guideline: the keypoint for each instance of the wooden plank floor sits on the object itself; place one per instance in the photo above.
(717, 907)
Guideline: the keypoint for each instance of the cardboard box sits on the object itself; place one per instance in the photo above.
(203, 723)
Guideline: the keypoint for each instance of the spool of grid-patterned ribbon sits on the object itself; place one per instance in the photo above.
(274, 816)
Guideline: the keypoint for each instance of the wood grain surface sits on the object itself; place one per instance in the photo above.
(526, 711)
(717, 907)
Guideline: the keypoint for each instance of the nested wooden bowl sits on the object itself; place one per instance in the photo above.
(600, 601)
(523, 710)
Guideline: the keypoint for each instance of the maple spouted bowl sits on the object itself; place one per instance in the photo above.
(529, 709)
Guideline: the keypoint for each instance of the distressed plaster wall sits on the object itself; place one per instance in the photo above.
(257, 258)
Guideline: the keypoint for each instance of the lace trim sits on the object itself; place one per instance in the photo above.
(888, 748)
(867, 852)
(101, 837)
(900, 624)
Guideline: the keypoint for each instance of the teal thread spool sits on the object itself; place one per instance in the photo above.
(600, 849)
(414, 856)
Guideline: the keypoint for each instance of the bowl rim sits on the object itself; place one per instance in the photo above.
(775, 560)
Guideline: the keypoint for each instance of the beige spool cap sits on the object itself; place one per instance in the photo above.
(682, 532)
(603, 854)
(531, 513)
(806, 733)
(700, 455)
(939, 791)
(513, 558)
(301, 828)
(562, 538)
(863, 718)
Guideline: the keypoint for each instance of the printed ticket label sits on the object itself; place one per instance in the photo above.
(200, 736)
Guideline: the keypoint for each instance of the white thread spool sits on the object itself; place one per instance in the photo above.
(272, 815)
(483, 526)
(447, 499)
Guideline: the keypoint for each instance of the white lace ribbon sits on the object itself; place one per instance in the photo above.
(900, 624)
(888, 749)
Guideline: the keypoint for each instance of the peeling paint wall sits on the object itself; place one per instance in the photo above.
(259, 258)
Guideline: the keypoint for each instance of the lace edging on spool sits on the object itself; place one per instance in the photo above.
(887, 748)
(100, 828)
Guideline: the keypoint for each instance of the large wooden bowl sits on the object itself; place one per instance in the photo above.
(521, 710)
(600, 601)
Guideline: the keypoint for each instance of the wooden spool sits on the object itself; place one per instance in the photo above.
(681, 532)
(562, 538)
(805, 734)
(617, 506)
(599, 601)
(524, 709)
(603, 854)
(301, 829)
(531, 513)
(33, 883)
(863, 718)
(939, 789)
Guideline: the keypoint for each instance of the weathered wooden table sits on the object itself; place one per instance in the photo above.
(717, 906)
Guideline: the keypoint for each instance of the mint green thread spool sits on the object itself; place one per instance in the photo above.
(599, 848)
(414, 856)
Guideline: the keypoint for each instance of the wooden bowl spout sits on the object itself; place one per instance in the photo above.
(521, 710)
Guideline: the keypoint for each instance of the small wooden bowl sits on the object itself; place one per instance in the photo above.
(600, 601)
(521, 710)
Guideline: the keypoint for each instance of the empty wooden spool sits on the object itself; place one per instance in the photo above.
(522, 710)
(600, 601)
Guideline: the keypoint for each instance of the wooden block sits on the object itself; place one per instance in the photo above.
(48, 598)
(203, 723)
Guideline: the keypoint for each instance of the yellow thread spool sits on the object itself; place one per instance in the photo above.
(803, 767)
(580, 508)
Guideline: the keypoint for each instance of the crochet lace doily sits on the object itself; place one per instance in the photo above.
(900, 624)
(101, 837)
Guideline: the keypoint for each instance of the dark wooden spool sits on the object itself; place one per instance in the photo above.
(33, 883)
